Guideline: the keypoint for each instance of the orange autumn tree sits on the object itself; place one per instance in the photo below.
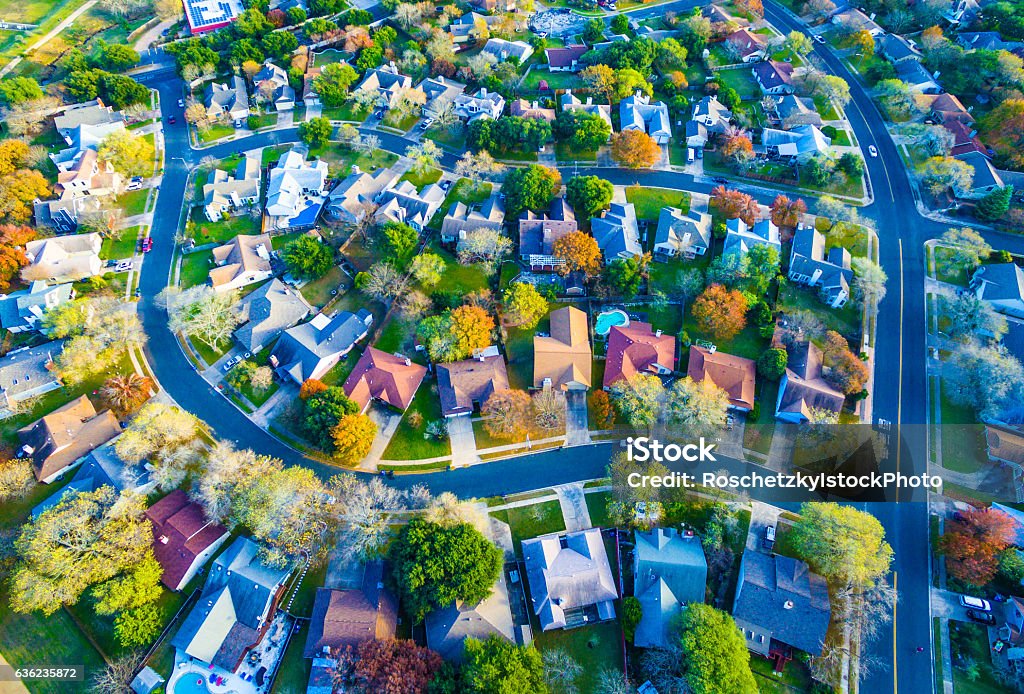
(738, 149)
(734, 203)
(786, 212)
(507, 414)
(580, 252)
(847, 371)
(310, 387)
(720, 312)
(471, 327)
(973, 542)
(12, 253)
(635, 149)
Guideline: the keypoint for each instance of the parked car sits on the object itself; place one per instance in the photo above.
(181, 103)
(818, 38)
(147, 244)
(769, 537)
(123, 266)
(133, 185)
(172, 120)
(720, 180)
(976, 603)
(982, 617)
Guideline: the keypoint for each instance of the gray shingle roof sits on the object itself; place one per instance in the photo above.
(302, 348)
(267, 311)
(617, 232)
(26, 307)
(448, 628)
(670, 570)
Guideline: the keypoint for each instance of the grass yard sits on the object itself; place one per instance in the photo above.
(970, 642)
(195, 268)
(748, 343)
(595, 647)
(532, 521)
(258, 396)
(597, 507)
(665, 276)
(565, 152)
(758, 433)
(319, 292)
(649, 201)
(555, 80)
(205, 231)
(957, 276)
(133, 202)
(446, 138)
(846, 320)
(431, 175)
(457, 277)
(348, 111)
(302, 605)
(739, 79)
(854, 239)
(465, 191)
(211, 355)
(397, 335)
(795, 678)
(340, 159)
(402, 124)
(408, 442)
(216, 131)
(121, 247)
(265, 120)
(293, 670)
(273, 154)
(279, 241)
(962, 437)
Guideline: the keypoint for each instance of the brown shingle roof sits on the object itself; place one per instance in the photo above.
(635, 348)
(239, 256)
(734, 375)
(384, 376)
(805, 387)
(564, 57)
(565, 356)
(343, 618)
(66, 434)
(463, 383)
(181, 532)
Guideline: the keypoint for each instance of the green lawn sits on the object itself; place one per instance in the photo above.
(446, 138)
(205, 231)
(665, 276)
(431, 175)
(597, 507)
(279, 241)
(404, 124)
(210, 356)
(340, 159)
(846, 320)
(195, 268)
(121, 247)
(347, 112)
(970, 641)
(758, 433)
(457, 277)
(649, 201)
(302, 605)
(397, 336)
(957, 276)
(465, 191)
(293, 671)
(739, 79)
(795, 678)
(261, 121)
(595, 647)
(565, 152)
(555, 80)
(318, 292)
(133, 202)
(258, 397)
(963, 438)
(532, 521)
(215, 132)
(852, 238)
(408, 442)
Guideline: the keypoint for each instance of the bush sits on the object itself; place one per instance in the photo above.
(632, 611)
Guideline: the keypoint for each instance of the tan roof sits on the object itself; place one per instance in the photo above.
(734, 375)
(1005, 443)
(463, 383)
(387, 377)
(634, 349)
(66, 434)
(239, 256)
(565, 356)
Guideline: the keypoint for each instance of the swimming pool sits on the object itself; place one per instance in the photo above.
(191, 683)
(607, 319)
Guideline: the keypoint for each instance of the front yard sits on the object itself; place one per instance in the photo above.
(846, 320)
(133, 202)
(409, 443)
(195, 268)
(204, 231)
(649, 201)
(122, 247)
(963, 438)
(420, 179)
(532, 521)
(972, 660)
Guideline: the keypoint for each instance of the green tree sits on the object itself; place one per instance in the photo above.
(841, 543)
(624, 275)
(995, 204)
(632, 613)
(699, 408)
(114, 57)
(428, 268)
(593, 31)
(18, 90)
(762, 265)
(139, 627)
(322, 413)
(308, 258)
(530, 188)
(963, 250)
(498, 666)
(588, 195)
(316, 132)
(131, 590)
(333, 83)
(280, 44)
(434, 565)
(715, 658)
(772, 364)
(251, 23)
(523, 306)
(456, 334)
(399, 240)
(639, 400)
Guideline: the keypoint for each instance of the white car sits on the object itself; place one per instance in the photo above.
(123, 266)
(872, 150)
(181, 103)
(976, 603)
(818, 39)
(134, 185)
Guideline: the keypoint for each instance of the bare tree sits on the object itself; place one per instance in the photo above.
(448, 509)
(365, 510)
(561, 671)
(202, 313)
(384, 282)
(118, 675)
(549, 410)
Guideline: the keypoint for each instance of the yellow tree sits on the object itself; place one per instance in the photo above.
(635, 149)
(600, 78)
(353, 436)
(471, 328)
(506, 414)
(721, 312)
(580, 252)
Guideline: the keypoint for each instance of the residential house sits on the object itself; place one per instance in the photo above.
(63, 258)
(25, 373)
(961, 11)
(271, 83)
(800, 143)
(896, 49)
(562, 358)
(965, 137)
(917, 77)
(242, 261)
(310, 99)
(779, 602)
(441, 93)
(539, 232)
(58, 441)
(351, 200)
(986, 178)
(84, 127)
(774, 77)
(696, 134)
(63, 214)
(235, 609)
(344, 619)
(88, 175)
(636, 112)
(735, 375)
(985, 41)
(295, 192)
(1012, 629)
(1001, 285)
(570, 579)
(634, 348)
(266, 313)
(463, 385)
(617, 232)
(803, 388)
(570, 102)
(791, 111)
(531, 109)
(23, 310)
(390, 378)
(747, 46)
(224, 193)
(495, 5)
(406, 205)
(184, 539)
(508, 51)
(946, 107)
(483, 104)
(829, 272)
(310, 349)
(853, 20)
(565, 59)
(1018, 521)
(463, 218)
(102, 467)
(740, 238)
(227, 100)
(472, 26)
(388, 82)
(209, 15)
(681, 235)
(712, 113)
(669, 573)
(449, 627)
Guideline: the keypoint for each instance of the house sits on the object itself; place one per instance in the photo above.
(917, 77)
(184, 539)
(565, 59)
(210, 15)
(896, 49)
(1012, 629)
(853, 20)
(63, 258)
(90, 113)
(25, 373)
(829, 272)
(295, 192)
(483, 104)
(617, 232)
(570, 102)
(88, 175)
(23, 310)
(266, 312)
(961, 11)
(774, 77)
(669, 573)
(539, 232)
(696, 134)
(147, 681)
(1018, 521)
(472, 26)
(344, 619)
(965, 137)
(441, 93)
(946, 107)
(1004, 439)
(229, 101)
(85, 135)
(59, 440)
(986, 178)
(388, 82)
(508, 51)
(791, 111)
(390, 378)
(242, 261)
(562, 359)
(570, 579)
(463, 385)
(740, 238)
(310, 349)
(800, 143)
(224, 193)
(802, 386)
(712, 113)
(406, 205)
(636, 112)
(634, 348)
(681, 235)
(985, 41)
(449, 627)
(310, 98)
(495, 5)
(235, 609)
(356, 195)
(1002, 286)
(271, 83)
(463, 218)
(746, 45)
(531, 109)
(780, 602)
(63, 214)
(735, 375)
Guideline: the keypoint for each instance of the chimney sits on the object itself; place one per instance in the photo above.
(408, 361)
(657, 333)
(483, 92)
(590, 101)
(163, 539)
(536, 105)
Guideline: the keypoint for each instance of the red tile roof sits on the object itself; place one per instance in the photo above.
(734, 375)
(634, 349)
(386, 377)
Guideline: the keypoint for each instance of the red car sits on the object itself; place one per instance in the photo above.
(147, 244)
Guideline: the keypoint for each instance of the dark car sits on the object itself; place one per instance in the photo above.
(172, 120)
(982, 617)
(721, 180)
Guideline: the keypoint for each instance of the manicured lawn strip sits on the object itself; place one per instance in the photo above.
(937, 640)
(532, 521)
(293, 670)
(417, 469)
(348, 111)
(795, 676)
(318, 292)
(195, 268)
(555, 80)
(565, 152)
(302, 605)
(595, 647)
(216, 131)
(121, 247)
(484, 440)
(408, 442)
(649, 201)
(206, 231)
(133, 202)
(431, 175)
(963, 438)
(340, 159)
(279, 241)
(260, 396)
(404, 124)
(337, 374)
(597, 507)
(262, 121)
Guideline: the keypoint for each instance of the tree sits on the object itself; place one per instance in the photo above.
(720, 312)
(580, 252)
(625, 274)
(166, 436)
(506, 413)
(280, 45)
(323, 411)
(761, 266)
(549, 410)
(316, 132)
(786, 212)
(131, 590)
(353, 437)
(963, 249)
(16, 479)
(601, 407)
(772, 363)
(739, 150)
(129, 154)
(868, 281)
(479, 166)
(583, 131)
(140, 626)
(496, 665)
(611, 681)
(824, 86)
(434, 565)
(456, 334)
(114, 57)
(638, 400)
(203, 313)
(672, 55)
(19, 90)
(715, 656)
(896, 99)
(632, 613)
(364, 510)
(970, 316)
(523, 306)
(752, 8)
(101, 331)
(12, 252)
(561, 671)
(995, 204)
(17, 192)
(985, 378)
(973, 542)
(424, 156)
(863, 42)
(126, 393)
(428, 268)
(841, 543)
(846, 371)
(118, 674)
(394, 667)
(698, 407)
(588, 195)
(635, 149)
(1001, 129)
(733, 203)
(307, 258)
(940, 173)
(399, 240)
(798, 43)
(484, 245)
(382, 282)
(530, 188)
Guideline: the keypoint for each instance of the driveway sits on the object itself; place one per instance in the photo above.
(460, 432)
(577, 431)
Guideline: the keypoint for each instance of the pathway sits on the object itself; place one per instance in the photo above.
(574, 507)
(781, 451)
(577, 430)
(153, 34)
(761, 516)
(43, 41)
(387, 424)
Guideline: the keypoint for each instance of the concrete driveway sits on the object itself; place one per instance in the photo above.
(460, 432)
(577, 429)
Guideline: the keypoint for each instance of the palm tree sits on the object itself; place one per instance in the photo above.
(126, 393)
